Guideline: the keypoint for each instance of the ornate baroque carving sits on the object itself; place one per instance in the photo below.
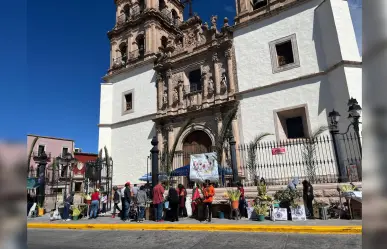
(228, 53)
(210, 86)
(215, 57)
(223, 82)
(169, 73)
(169, 128)
(175, 96)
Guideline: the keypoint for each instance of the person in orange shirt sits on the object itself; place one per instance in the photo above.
(208, 195)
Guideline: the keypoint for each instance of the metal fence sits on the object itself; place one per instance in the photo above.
(280, 162)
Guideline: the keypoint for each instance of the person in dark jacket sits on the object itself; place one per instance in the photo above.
(308, 197)
(116, 199)
(173, 198)
(127, 198)
(182, 199)
(69, 201)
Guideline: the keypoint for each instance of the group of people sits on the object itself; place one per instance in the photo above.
(96, 199)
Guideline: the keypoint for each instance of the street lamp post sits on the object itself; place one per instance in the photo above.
(354, 110)
(147, 169)
(42, 158)
(334, 117)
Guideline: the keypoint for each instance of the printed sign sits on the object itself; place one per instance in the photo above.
(204, 167)
(298, 213)
(279, 214)
(277, 151)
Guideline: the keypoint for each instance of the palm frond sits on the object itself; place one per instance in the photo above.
(30, 152)
(261, 136)
(226, 126)
(318, 132)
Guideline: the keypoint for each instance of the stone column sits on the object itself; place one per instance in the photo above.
(216, 77)
(155, 38)
(148, 38)
(181, 94)
(159, 134)
(205, 88)
(230, 72)
(171, 137)
(170, 88)
(130, 44)
(148, 4)
(160, 91)
(218, 119)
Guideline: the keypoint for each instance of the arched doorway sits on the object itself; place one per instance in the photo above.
(195, 143)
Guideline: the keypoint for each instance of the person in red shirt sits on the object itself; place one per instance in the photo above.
(158, 199)
(94, 204)
(242, 206)
(208, 194)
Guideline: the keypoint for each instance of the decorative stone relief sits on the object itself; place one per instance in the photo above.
(169, 73)
(215, 57)
(210, 86)
(175, 96)
(213, 22)
(176, 78)
(223, 82)
(165, 97)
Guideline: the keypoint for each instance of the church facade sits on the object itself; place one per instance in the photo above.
(283, 60)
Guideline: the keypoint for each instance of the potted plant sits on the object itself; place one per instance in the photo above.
(76, 212)
(261, 211)
(233, 195)
(40, 210)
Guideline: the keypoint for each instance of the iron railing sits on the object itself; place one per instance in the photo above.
(315, 161)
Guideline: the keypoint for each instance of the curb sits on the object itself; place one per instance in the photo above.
(206, 227)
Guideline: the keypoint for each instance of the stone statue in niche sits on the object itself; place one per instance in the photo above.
(223, 81)
(175, 96)
(210, 86)
(165, 97)
(213, 22)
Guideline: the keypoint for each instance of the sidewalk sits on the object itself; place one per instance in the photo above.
(186, 224)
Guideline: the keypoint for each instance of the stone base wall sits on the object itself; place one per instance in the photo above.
(324, 193)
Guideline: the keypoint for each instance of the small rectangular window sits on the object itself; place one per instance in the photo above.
(195, 80)
(284, 53)
(65, 151)
(78, 187)
(41, 148)
(128, 102)
(295, 127)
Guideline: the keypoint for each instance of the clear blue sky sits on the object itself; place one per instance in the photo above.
(53, 55)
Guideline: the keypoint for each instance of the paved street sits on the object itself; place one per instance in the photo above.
(83, 239)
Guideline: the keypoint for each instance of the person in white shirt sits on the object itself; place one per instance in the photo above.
(104, 202)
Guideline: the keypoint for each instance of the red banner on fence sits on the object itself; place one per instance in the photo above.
(277, 151)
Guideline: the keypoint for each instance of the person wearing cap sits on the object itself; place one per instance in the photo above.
(127, 198)
(94, 204)
(116, 199)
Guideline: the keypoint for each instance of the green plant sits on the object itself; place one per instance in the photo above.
(309, 153)
(288, 196)
(347, 188)
(233, 194)
(262, 194)
(261, 209)
(76, 210)
(252, 155)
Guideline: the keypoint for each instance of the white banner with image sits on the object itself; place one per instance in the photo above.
(204, 167)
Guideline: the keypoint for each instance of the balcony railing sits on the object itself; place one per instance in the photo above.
(126, 17)
(119, 62)
(38, 153)
(136, 54)
(169, 17)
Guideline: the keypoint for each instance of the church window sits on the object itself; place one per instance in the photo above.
(257, 4)
(127, 102)
(284, 54)
(195, 80)
(164, 42)
(162, 5)
(292, 123)
(141, 45)
(126, 11)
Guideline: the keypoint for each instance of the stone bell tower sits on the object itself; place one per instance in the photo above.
(142, 26)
